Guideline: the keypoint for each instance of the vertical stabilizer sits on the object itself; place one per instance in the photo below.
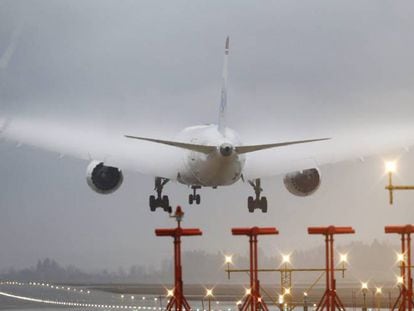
(223, 99)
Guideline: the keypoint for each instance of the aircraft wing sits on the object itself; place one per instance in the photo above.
(92, 143)
(346, 144)
(156, 159)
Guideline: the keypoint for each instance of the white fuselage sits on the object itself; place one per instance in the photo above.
(214, 169)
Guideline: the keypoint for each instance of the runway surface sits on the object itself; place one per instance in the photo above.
(144, 297)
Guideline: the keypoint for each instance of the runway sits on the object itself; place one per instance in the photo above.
(25, 296)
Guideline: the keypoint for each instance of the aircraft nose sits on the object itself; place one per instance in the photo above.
(226, 149)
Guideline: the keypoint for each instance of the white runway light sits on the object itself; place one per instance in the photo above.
(64, 303)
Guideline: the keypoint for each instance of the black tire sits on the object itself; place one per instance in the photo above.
(190, 199)
(198, 199)
(165, 201)
(263, 204)
(152, 203)
(250, 204)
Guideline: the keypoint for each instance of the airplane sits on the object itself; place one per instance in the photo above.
(200, 156)
(216, 157)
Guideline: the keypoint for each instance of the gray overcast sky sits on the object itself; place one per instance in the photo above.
(296, 67)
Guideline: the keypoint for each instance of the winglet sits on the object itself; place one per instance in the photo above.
(227, 45)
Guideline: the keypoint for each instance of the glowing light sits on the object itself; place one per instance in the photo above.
(170, 292)
(248, 291)
(122, 296)
(286, 291)
(390, 166)
(132, 297)
(281, 299)
(378, 290)
(364, 285)
(285, 258)
(228, 259)
(400, 257)
(259, 299)
(209, 292)
(62, 303)
(343, 258)
(305, 294)
(400, 280)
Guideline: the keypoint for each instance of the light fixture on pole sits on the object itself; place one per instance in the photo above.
(364, 288)
(390, 169)
(228, 259)
(343, 260)
(209, 295)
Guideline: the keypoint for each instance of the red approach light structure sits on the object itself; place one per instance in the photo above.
(253, 299)
(405, 298)
(330, 300)
(177, 301)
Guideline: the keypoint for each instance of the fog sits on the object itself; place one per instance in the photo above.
(150, 68)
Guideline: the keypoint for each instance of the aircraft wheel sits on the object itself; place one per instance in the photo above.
(165, 201)
(168, 209)
(263, 204)
(152, 203)
(198, 199)
(190, 199)
(250, 204)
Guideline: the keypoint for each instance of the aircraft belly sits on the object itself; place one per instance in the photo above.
(211, 171)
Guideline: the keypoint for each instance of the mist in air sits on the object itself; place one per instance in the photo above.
(86, 73)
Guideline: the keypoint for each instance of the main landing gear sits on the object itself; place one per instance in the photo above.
(194, 196)
(258, 202)
(161, 201)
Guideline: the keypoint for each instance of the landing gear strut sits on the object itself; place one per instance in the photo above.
(258, 202)
(161, 201)
(194, 196)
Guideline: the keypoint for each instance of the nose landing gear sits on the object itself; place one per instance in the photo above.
(161, 201)
(258, 202)
(194, 196)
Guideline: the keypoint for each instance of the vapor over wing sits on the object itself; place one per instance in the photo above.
(355, 144)
(90, 142)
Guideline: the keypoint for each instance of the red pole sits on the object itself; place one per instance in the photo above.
(405, 299)
(254, 300)
(179, 282)
(409, 277)
(328, 280)
(333, 285)
(178, 301)
(403, 274)
(252, 293)
(330, 300)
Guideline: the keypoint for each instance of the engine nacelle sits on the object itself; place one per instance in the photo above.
(303, 183)
(103, 179)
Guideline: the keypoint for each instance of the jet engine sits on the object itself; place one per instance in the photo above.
(303, 183)
(103, 179)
